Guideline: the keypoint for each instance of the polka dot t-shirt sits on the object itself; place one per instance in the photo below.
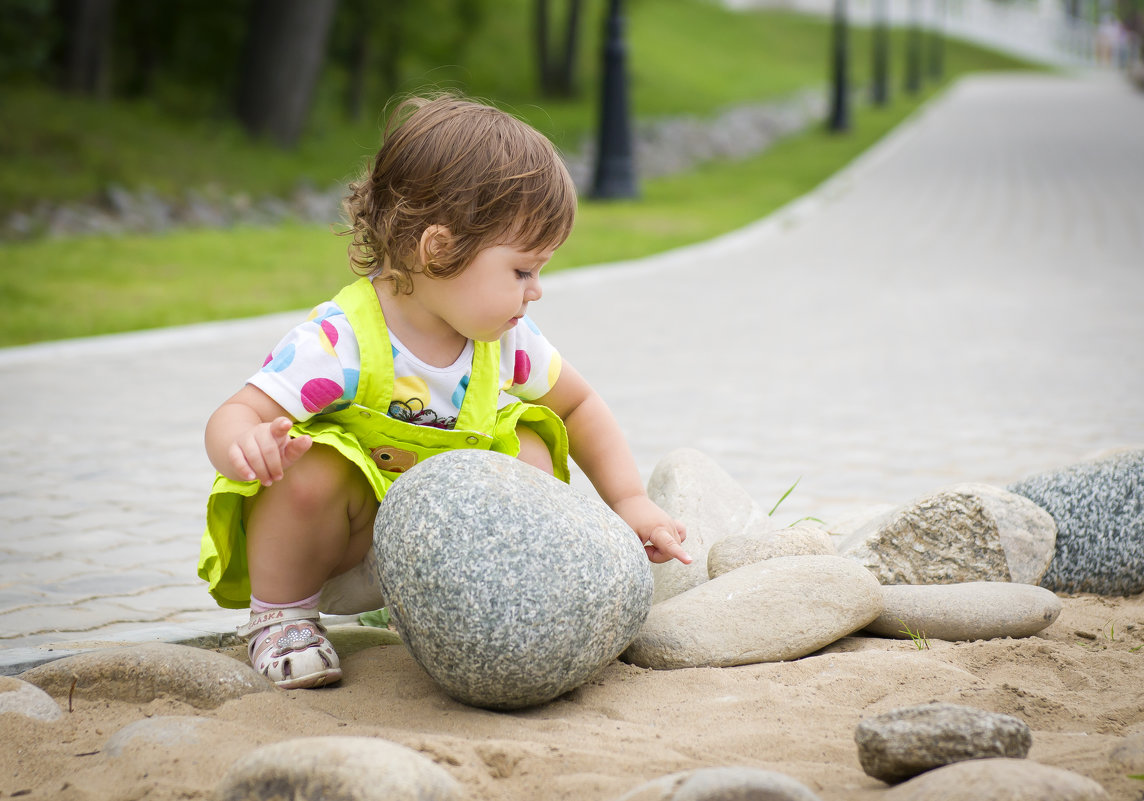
(315, 369)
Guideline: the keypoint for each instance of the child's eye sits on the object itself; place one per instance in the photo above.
(523, 274)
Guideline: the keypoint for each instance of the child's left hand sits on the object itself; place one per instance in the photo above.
(660, 534)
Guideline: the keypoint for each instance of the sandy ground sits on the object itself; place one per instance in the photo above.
(1079, 685)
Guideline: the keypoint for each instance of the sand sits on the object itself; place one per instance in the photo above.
(1079, 685)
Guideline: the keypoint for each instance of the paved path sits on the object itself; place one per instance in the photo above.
(966, 303)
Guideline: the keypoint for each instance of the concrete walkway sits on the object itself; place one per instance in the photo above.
(965, 303)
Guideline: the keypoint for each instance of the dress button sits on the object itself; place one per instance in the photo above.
(364, 413)
(471, 440)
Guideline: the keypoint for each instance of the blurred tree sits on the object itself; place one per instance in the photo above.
(284, 52)
(557, 71)
(27, 34)
(839, 117)
(87, 49)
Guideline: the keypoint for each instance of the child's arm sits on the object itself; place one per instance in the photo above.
(599, 448)
(248, 438)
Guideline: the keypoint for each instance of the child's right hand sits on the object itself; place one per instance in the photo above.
(265, 451)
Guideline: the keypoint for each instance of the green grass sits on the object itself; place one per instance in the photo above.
(696, 59)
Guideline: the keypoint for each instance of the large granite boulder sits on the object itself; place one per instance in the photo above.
(769, 611)
(977, 610)
(508, 587)
(1010, 779)
(1098, 507)
(970, 532)
(204, 679)
(326, 768)
(905, 742)
(696, 491)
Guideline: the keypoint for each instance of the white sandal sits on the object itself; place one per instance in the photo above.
(289, 647)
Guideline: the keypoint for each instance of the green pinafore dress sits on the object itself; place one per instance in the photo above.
(379, 445)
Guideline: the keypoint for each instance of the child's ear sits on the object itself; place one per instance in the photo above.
(435, 242)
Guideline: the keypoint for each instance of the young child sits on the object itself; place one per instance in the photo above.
(431, 350)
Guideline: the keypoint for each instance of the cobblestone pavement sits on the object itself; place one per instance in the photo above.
(965, 303)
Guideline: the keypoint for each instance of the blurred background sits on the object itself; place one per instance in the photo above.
(165, 159)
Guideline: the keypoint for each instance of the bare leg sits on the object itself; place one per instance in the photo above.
(315, 523)
(533, 451)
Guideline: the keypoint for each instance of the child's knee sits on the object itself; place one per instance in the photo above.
(320, 480)
(533, 449)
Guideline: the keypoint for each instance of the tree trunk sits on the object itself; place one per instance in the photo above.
(285, 50)
(543, 57)
(87, 68)
(565, 79)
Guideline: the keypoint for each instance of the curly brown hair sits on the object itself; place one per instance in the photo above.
(481, 173)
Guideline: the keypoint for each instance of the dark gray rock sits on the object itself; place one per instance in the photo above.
(977, 610)
(508, 587)
(722, 784)
(969, 532)
(1009, 779)
(204, 679)
(905, 742)
(21, 698)
(328, 768)
(770, 611)
(1098, 507)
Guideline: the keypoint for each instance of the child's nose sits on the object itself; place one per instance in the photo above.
(534, 292)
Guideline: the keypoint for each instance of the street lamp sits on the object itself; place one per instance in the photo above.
(840, 95)
(615, 175)
(880, 88)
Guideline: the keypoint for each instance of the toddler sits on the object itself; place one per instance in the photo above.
(429, 350)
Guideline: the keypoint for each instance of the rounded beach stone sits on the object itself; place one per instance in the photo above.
(1098, 507)
(746, 549)
(969, 532)
(21, 698)
(1010, 779)
(976, 610)
(204, 679)
(722, 784)
(770, 611)
(169, 731)
(901, 744)
(508, 587)
(693, 489)
(1129, 754)
(323, 768)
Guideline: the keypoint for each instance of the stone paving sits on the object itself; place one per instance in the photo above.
(965, 303)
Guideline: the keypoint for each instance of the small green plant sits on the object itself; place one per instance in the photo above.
(379, 618)
(1110, 635)
(785, 495)
(917, 637)
(1137, 776)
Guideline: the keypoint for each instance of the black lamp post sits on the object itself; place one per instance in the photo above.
(839, 119)
(937, 41)
(880, 87)
(615, 175)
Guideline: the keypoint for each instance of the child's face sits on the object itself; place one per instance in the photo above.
(490, 295)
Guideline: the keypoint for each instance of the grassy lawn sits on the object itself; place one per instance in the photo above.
(51, 148)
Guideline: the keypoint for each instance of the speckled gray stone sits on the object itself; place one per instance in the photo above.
(977, 610)
(693, 489)
(722, 784)
(969, 532)
(1008, 779)
(901, 744)
(770, 611)
(22, 698)
(757, 546)
(508, 587)
(1098, 507)
(330, 768)
(204, 679)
